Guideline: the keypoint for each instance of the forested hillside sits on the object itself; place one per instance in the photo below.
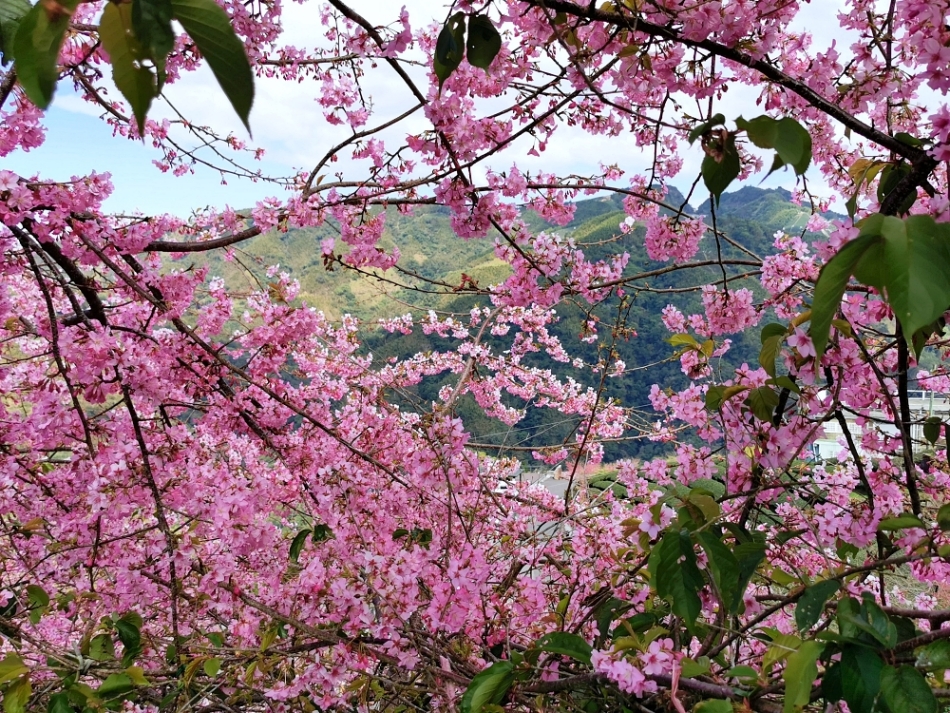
(439, 272)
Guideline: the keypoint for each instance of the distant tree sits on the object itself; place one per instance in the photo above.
(201, 517)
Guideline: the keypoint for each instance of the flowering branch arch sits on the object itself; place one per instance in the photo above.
(221, 503)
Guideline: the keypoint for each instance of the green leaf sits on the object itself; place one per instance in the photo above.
(908, 139)
(793, 144)
(59, 703)
(832, 283)
(800, 674)
(762, 401)
(212, 667)
(905, 690)
(910, 268)
(296, 547)
(744, 674)
(560, 642)
(36, 48)
(152, 24)
(934, 656)
(11, 667)
(943, 517)
(906, 630)
(721, 166)
(16, 695)
(321, 532)
(488, 687)
(714, 397)
(769, 353)
(690, 668)
(133, 618)
(782, 646)
(449, 48)
(890, 177)
(606, 614)
(128, 629)
(749, 555)
(11, 13)
(137, 675)
(724, 569)
(762, 130)
(777, 163)
(785, 382)
(713, 487)
(705, 504)
(102, 648)
(210, 28)
(683, 340)
(116, 685)
(932, 429)
(773, 329)
(812, 603)
(884, 630)
(675, 575)
(716, 120)
(790, 140)
(717, 705)
(846, 614)
(900, 522)
(39, 602)
(860, 677)
(136, 81)
(484, 42)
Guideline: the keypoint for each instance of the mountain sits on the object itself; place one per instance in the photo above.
(772, 208)
(432, 264)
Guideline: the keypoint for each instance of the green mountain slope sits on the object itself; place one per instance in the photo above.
(434, 263)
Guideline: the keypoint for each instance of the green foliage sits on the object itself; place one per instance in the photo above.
(724, 568)
(484, 43)
(11, 14)
(935, 656)
(899, 522)
(812, 603)
(932, 427)
(135, 80)
(137, 37)
(152, 25)
(16, 695)
(762, 401)
(891, 176)
(39, 36)
(449, 48)
(675, 575)
(906, 260)
(566, 644)
(12, 667)
(714, 706)
(488, 687)
(904, 690)
(210, 28)
(721, 165)
(59, 703)
(38, 601)
(296, 546)
(792, 143)
(860, 677)
(704, 128)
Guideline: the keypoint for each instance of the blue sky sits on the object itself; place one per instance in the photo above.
(77, 143)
